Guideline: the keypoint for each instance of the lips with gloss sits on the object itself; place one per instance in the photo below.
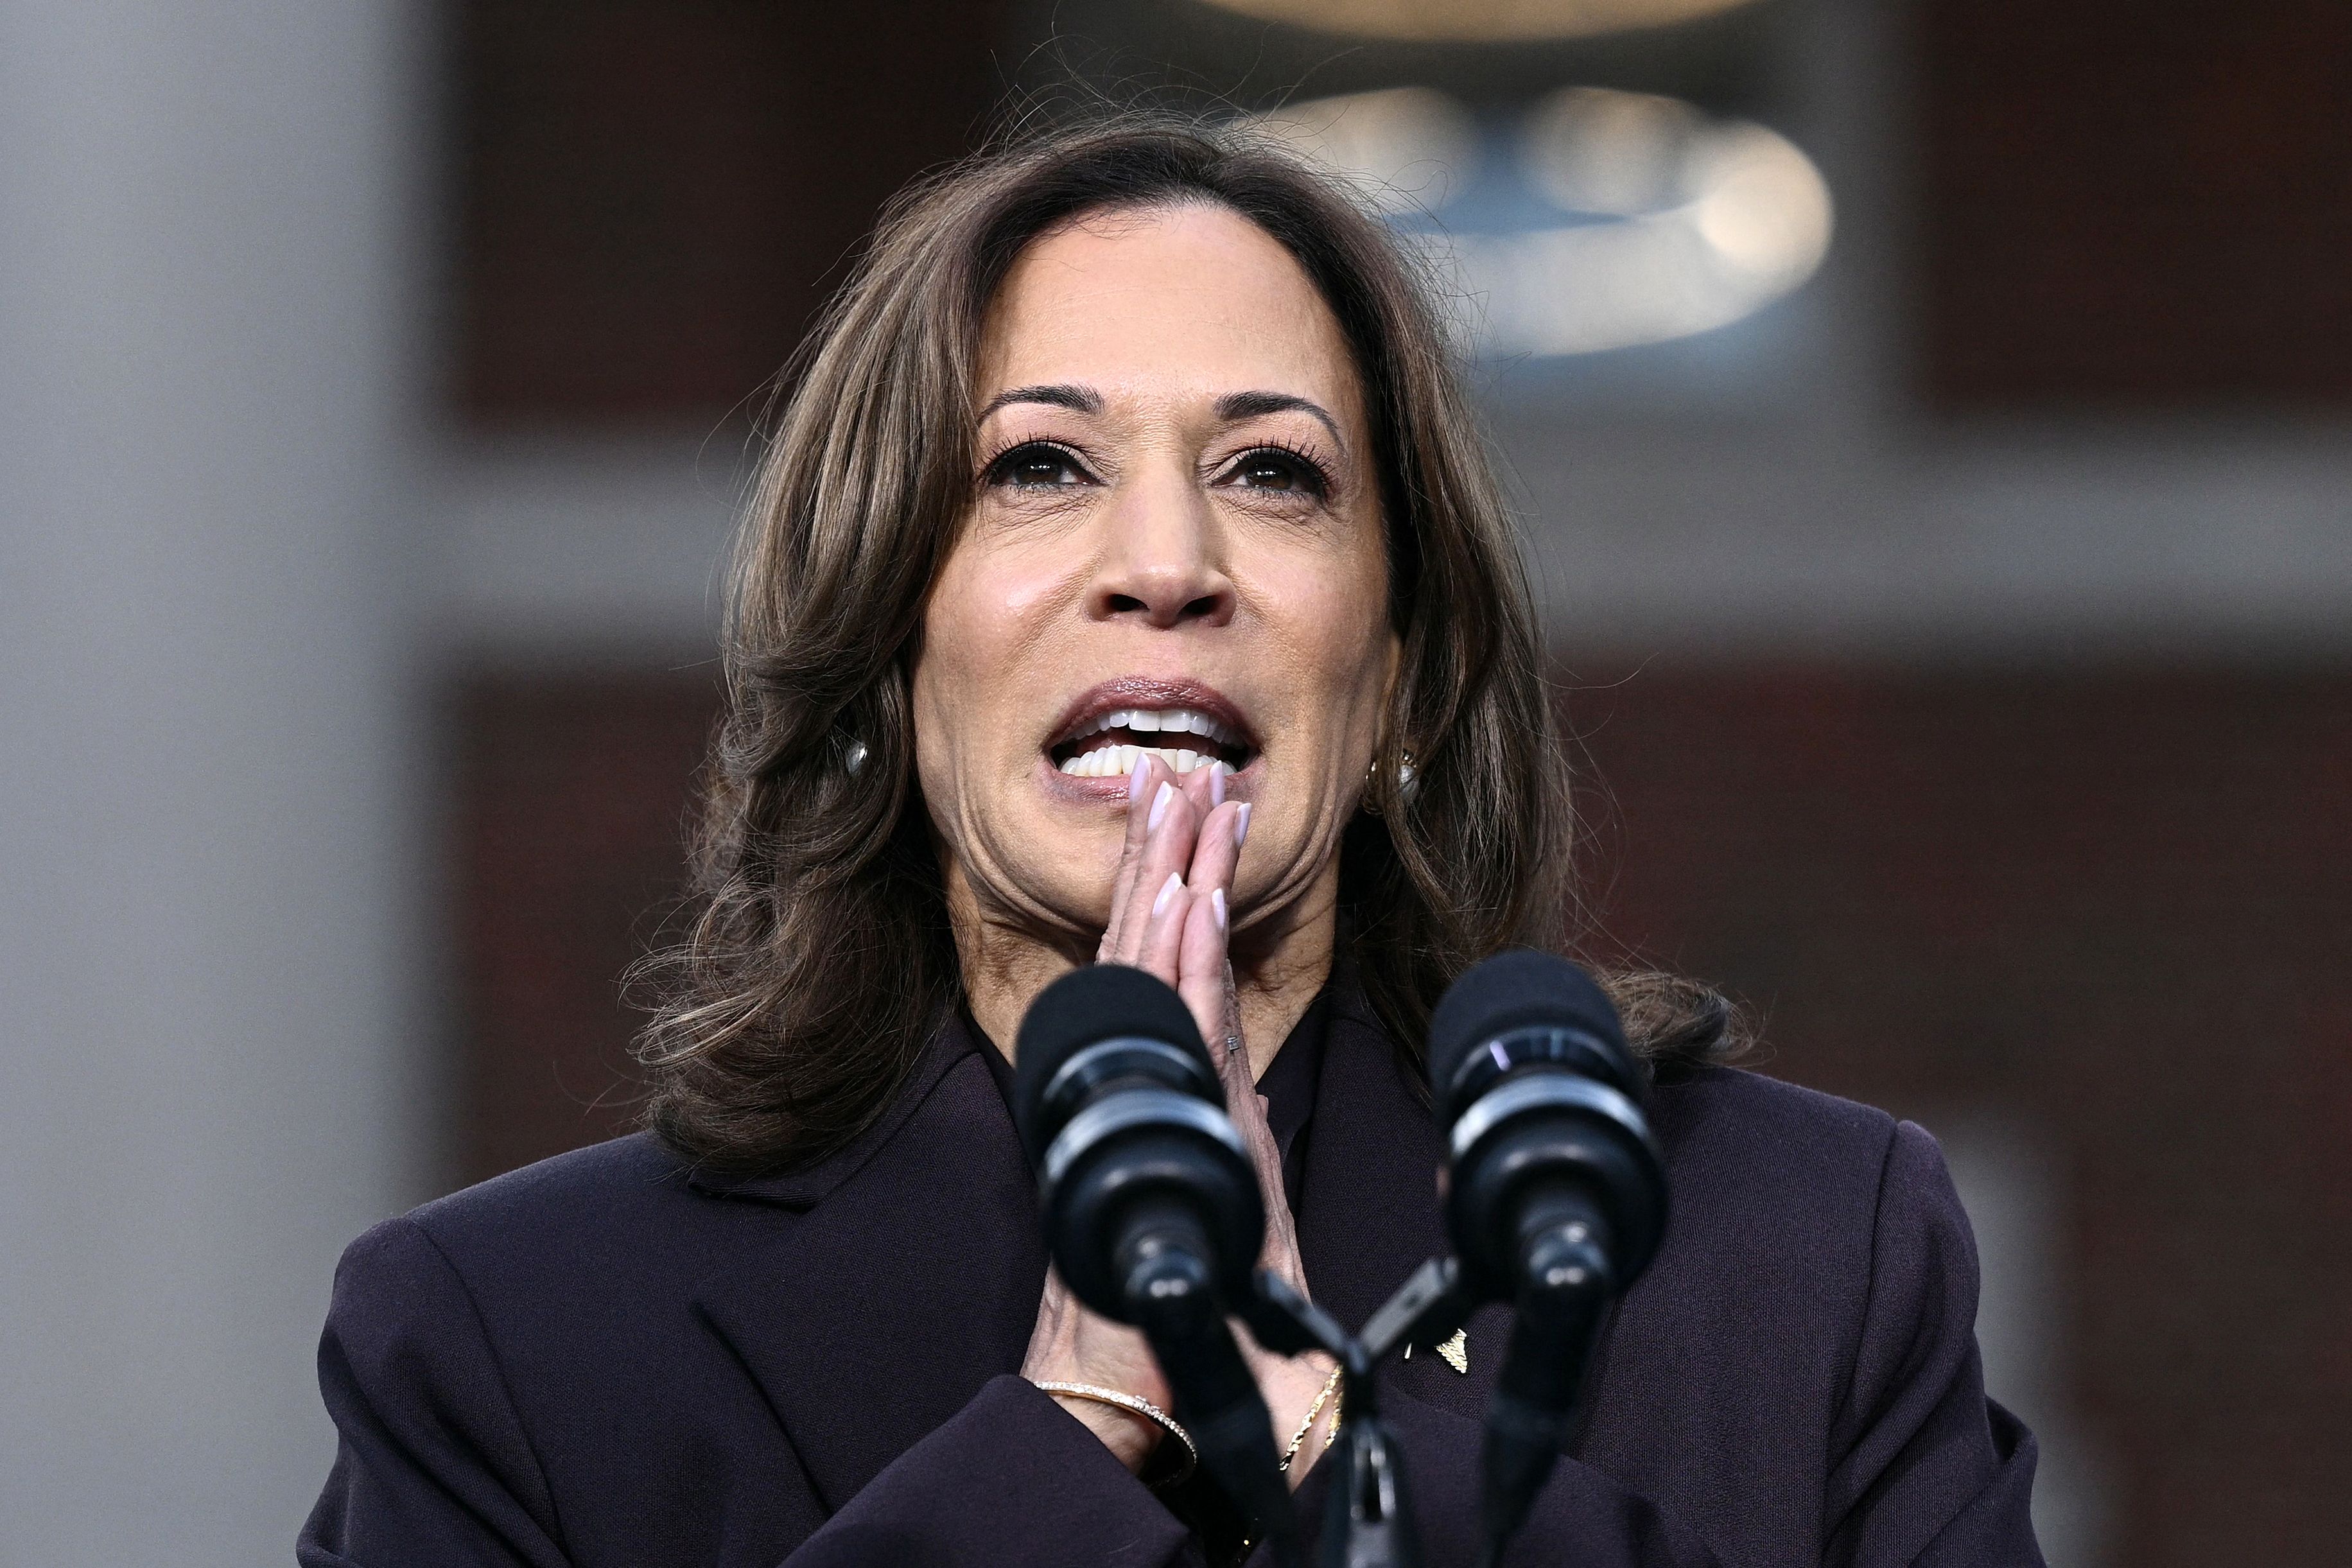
(1188, 726)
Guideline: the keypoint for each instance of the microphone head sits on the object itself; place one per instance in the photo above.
(1085, 1007)
(1516, 990)
(1536, 1089)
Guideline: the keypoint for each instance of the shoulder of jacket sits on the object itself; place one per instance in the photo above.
(560, 1207)
(1740, 1143)
(1738, 1105)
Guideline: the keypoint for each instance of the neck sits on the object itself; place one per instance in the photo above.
(1281, 961)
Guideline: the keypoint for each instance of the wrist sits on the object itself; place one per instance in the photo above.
(1131, 1438)
(1317, 1427)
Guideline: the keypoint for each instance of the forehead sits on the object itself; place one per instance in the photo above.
(1166, 302)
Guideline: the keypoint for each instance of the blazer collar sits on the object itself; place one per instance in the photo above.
(810, 1185)
(908, 1277)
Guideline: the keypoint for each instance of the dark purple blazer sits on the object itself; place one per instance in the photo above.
(606, 1361)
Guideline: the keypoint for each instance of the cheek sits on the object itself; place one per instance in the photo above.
(982, 633)
(956, 647)
(1337, 626)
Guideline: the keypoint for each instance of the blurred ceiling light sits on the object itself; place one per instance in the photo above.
(1619, 219)
(1496, 21)
(1614, 153)
(1408, 149)
(1693, 223)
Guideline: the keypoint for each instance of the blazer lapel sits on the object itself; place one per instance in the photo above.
(1368, 1212)
(903, 1274)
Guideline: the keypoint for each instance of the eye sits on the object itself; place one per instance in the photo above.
(1279, 470)
(1038, 465)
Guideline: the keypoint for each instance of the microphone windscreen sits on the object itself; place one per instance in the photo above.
(1516, 990)
(1100, 1002)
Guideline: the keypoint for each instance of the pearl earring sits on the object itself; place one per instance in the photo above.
(1406, 772)
(852, 758)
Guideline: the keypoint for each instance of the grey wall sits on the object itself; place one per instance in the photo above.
(208, 790)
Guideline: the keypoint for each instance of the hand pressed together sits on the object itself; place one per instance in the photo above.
(1171, 917)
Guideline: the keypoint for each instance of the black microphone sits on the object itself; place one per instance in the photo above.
(1151, 1208)
(1556, 1193)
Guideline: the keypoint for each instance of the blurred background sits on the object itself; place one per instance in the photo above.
(1930, 421)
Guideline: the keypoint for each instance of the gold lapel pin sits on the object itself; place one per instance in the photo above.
(1455, 1353)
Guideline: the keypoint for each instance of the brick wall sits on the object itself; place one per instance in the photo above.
(2134, 205)
(652, 196)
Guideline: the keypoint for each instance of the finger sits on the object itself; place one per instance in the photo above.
(1170, 824)
(1163, 929)
(1140, 783)
(1217, 849)
(1247, 1108)
(1201, 970)
(1144, 782)
(1240, 1078)
(1279, 1255)
(1204, 978)
(1206, 785)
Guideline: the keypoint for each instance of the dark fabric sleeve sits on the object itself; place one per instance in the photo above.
(1924, 1468)
(1010, 1479)
(434, 1466)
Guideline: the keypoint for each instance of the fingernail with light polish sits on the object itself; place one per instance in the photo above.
(1241, 825)
(1217, 902)
(1167, 891)
(1216, 785)
(1134, 780)
(1159, 806)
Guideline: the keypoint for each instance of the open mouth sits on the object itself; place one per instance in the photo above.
(1108, 744)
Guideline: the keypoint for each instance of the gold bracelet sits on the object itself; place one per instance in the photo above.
(1331, 1384)
(1135, 1404)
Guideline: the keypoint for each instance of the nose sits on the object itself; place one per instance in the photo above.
(1160, 560)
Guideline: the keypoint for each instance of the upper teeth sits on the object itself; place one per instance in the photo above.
(1118, 761)
(1107, 761)
(1148, 719)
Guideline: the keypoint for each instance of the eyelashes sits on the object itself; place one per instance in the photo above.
(1272, 469)
(1281, 468)
(1036, 466)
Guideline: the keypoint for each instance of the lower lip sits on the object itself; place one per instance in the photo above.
(1112, 788)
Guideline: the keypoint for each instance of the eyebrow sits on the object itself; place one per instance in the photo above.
(1077, 399)
(1240, 406)
(1231, 408)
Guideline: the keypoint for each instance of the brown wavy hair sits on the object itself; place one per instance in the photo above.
(820, 959)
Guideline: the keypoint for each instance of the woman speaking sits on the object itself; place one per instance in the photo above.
(1126, 583)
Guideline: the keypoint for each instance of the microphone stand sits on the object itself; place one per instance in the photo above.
(1534, 1403)
(1533, 1409)
(1368, 1519)
(1171, 1298)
